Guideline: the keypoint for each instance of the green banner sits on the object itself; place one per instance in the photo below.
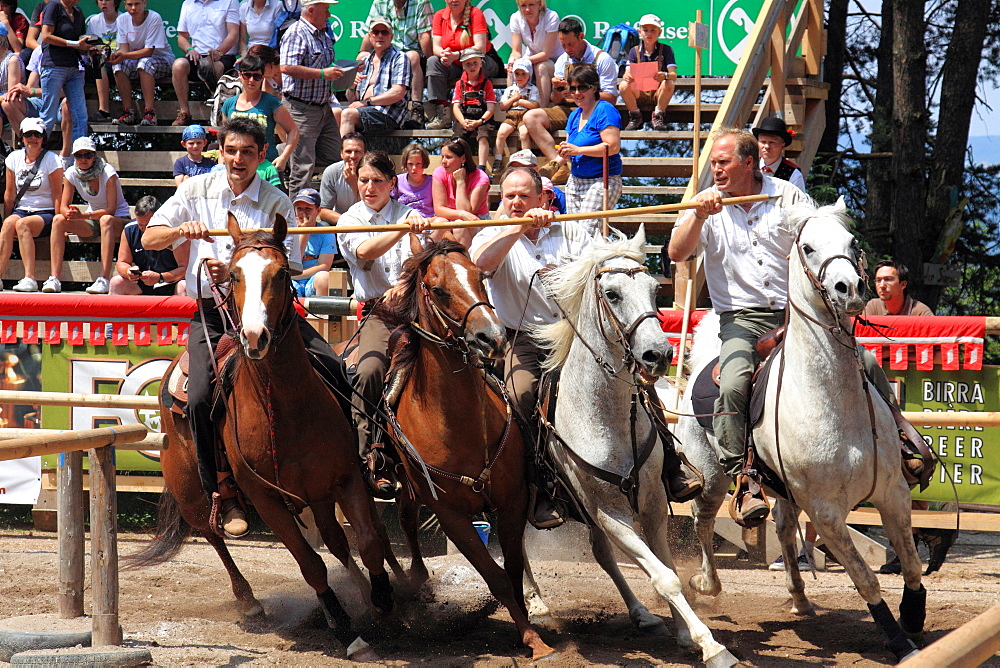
(730, 24)
(105, 369)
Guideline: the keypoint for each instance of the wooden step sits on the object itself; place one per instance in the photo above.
(80, 271)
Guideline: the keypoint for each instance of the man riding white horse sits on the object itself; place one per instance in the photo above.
(746, 267)
(515, 254)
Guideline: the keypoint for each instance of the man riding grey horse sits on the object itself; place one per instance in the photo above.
(514, 255)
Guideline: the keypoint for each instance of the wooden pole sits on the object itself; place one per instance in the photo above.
(104, 548)
(153, 441)
(604, 221)
(969, 645)
(77, 399)
(458, 224)
(696, 137)
(51, 444)
(70, 523)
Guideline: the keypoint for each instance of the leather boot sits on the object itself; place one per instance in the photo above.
(748, 508)
(682, 481)
(380, 477)
(441, 119)
(543, 512)
(634, 120)
(234, 520)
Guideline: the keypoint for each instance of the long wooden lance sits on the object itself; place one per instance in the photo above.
(455, 224)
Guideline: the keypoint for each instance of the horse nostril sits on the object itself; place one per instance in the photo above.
(861, 287)
(652, 356)
(841, 287)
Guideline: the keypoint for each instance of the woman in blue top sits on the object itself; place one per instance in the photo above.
(264, 108)
(592, 126)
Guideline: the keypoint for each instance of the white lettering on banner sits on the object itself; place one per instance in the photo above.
(87, 375)
(949, 392)
(600, 27)
(358, 29)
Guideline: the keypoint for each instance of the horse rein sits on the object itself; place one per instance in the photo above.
(453, 339)
(623, 334)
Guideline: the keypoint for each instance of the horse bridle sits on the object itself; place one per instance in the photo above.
(623, 335)
(454, 337)
(284, 321)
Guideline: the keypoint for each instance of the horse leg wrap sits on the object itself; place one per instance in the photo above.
(381, 592)
(913, 609)
(337, 618)
(899, 644)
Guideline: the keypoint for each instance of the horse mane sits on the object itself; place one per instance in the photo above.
(569, 285)
(797, 215)
(402, 311)
(260, 238)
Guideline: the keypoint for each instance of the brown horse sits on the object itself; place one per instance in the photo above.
(288, 442)
(460, 426)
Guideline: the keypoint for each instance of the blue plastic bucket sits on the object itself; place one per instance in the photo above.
(484, 531)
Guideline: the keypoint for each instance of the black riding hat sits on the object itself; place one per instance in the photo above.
(772, 125)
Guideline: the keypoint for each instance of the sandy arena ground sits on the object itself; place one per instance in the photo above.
(184, 612)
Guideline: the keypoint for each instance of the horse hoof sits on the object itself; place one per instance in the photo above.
(723, 659)
(705, 586)
(806, 609)
(544, 652)
(656, 630)
(254, 613)
(361, 651)
(909, 656)
(537, 607)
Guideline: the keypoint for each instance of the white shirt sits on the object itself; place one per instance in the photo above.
(372, 280)
(205, 21)
(38, 196)
(795, 179)
(100, 200)
(746, 252)
(605, 65)
(208, 198)
(529, 92)
(531, 44)
(151, 33)
(260, 27)
(508, 288)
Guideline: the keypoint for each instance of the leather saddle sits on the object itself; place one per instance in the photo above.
(174, 393)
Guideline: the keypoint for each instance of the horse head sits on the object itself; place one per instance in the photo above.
(261, 286)
(826, 267)
(451, 297)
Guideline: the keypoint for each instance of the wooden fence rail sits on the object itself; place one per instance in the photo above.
(969, 645)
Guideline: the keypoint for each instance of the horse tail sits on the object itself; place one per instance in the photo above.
(171, 530)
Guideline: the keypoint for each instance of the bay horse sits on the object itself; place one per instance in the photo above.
(288, 442)
(833, 444)
(601, 436)
(459, 422)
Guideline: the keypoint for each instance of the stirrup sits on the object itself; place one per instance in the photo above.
(748, 489)
(379, 475)
(555, 517)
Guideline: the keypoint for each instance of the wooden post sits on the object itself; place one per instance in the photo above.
(698, 40)
(104, 547)
(604, 221)
(71, 535)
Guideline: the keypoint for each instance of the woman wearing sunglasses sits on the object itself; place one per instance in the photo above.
(595, 125)
(105, 213)
(34, 186)
(264, 108)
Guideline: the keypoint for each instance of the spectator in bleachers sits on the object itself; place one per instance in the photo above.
(208, 32)
(306, 67)
(264, 108)
(143, 53)
(539, 123)
(455, 28)
(98, 184)
(257, 23)
(534, 34)
(517, 98)
(25, 99)
(31, 40)
(104, 25)
(473, 104)
(338, 188)
(16, 23)
(33, 190)
(651, 50)
(461, 190)
(414, 187)
(10, 69)
(272, 67)
(381, 87)
(194, 163)
(593, 127)
(773, 136)
(318, 250)
(146, 272)
(525, 158)
(410, 21)
(62, 27)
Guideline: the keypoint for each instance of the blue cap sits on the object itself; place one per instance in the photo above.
(3, 30)
(194, 132)
(309, 195)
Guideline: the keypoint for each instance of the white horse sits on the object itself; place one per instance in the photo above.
(828, 457)
(611, 342)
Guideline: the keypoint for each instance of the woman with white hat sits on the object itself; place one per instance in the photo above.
(33, 189)
(105, 214)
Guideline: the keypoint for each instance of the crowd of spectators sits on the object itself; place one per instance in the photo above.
(316, 111)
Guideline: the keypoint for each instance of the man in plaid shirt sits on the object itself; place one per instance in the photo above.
(307, 70)
(411, 34)
(382, 85)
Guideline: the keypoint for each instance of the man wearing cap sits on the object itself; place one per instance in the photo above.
(525, 158)
(746, 267)
(773, 136)
(306, 72)
(516, 99)
(411, 34)
(318, 250)
(650, 51)
(382, 86)
(208, 32)
(200, 204)
(539, 123)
